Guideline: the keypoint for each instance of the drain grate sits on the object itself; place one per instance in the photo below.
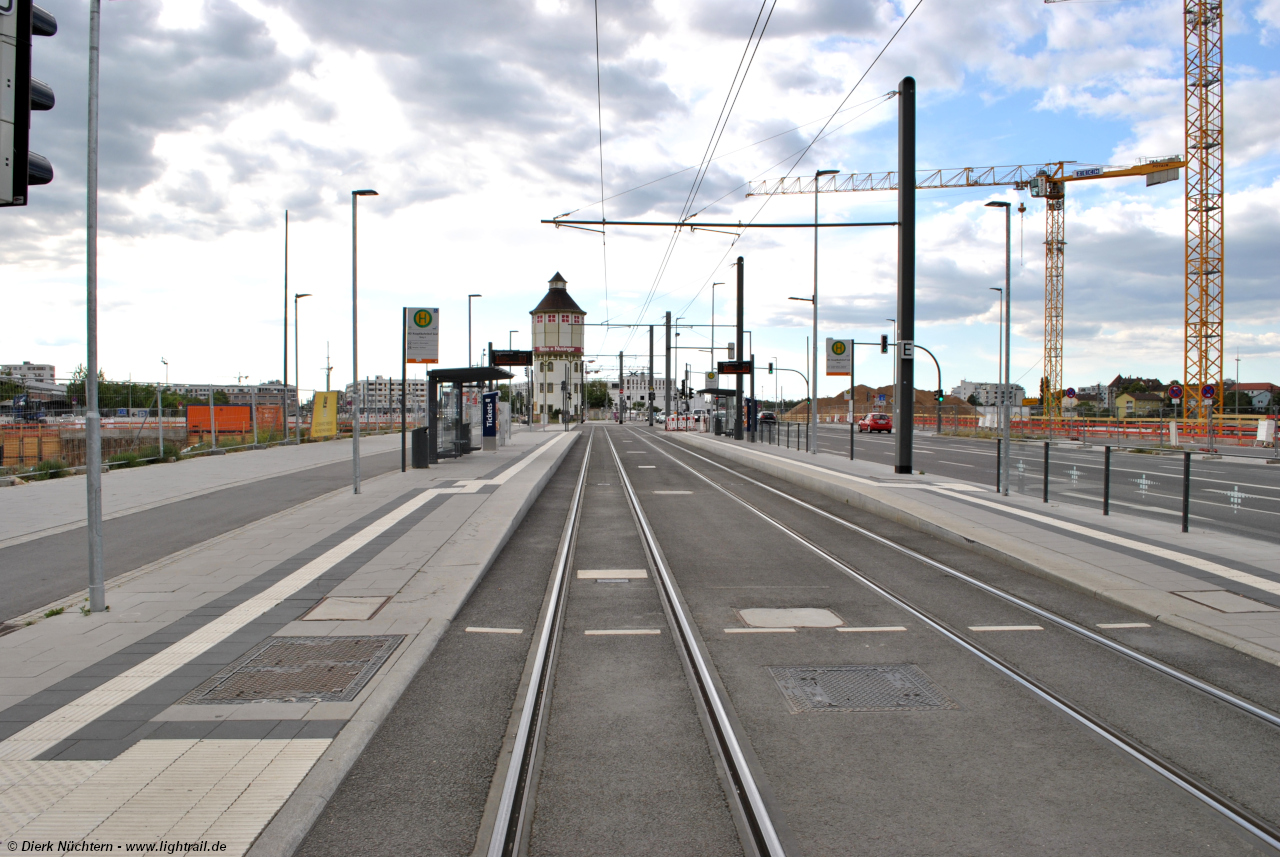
(886, 687)
(298, 669)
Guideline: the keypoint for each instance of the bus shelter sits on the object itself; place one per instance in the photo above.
(723, 400)
(451, 396)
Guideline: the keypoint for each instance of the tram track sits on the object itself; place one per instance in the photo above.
(509, 835)
(1259, 828)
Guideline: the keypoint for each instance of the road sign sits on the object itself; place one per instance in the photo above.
(422, 334)
(907, 350)
(1175, 392)
(502, 357)
(880, 399)
(1071, 392)
(839, 356)
(1207, 391)
(734, 367)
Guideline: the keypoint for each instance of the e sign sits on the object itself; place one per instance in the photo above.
(839, 356)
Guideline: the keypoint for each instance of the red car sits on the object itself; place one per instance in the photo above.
(876, 422)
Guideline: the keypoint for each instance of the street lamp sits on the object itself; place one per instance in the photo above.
(355, 353)
(469, 297)
(297, 384)
(813, 411)
(999, 349)
(1008, 302)
(713, 326)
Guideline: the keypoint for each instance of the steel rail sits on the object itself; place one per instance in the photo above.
(1093, 636)
(511, 818)
(750, 800)
(1255, 825)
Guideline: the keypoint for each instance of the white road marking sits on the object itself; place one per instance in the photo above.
(637, 452)
(1005, 628)
(759, 630)
(612, 573)
(672, 492)
(1123, 625)
(475, 630)
(956, 464)
(623, 632)
(872, 628)
(646, 466)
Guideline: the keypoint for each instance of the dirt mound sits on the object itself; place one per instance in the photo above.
(865, 400)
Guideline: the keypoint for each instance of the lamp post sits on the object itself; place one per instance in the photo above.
(999, 353)
(1008, 302)
(713, 327)
(355, 353)
(297, 384)
(813, 410)
(469, 297)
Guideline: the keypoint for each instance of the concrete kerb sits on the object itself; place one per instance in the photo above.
(282, 836)
(1067, 571)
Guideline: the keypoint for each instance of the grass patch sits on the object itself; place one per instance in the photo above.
(50, 468)
(56, 611)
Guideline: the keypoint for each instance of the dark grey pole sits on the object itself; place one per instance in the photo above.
(1106, 480)
(999, 457)
(1045, 497)
(755, 406)
(1008, 315)
(404, 371)
(621, 381)
(650, 372)
(93, 419)
(1186, 490)
(355, 364)
(737, 412)
(284, 378)
(666, 371)
(904, 396)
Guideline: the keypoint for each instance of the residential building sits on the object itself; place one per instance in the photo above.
(1118, 383)
(1099, 395)
(1263, 394)
(987, 393)
(1138, 404)
(270, 393)
(636, 385)
(379, 394)
(28, 371)
(558, 369)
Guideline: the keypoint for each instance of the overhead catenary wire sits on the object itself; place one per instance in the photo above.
(604, 239)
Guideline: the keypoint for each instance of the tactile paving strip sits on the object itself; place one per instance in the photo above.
(298, 669)
(883, 687)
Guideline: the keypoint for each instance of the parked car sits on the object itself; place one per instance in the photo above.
(876, 422)
(767, 417)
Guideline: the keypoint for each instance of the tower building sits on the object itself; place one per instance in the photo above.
(557, 351)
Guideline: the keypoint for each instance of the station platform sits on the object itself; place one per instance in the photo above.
(232, 684)
(1219, 586)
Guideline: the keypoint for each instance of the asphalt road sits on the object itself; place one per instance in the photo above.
(38, 572)
(1002, 772)
(1238, 495)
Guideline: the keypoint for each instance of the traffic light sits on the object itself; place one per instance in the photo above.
(884, 343)
(20, 93)
(770, 368)
(938, 395)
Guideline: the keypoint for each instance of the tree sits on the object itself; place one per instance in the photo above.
(1237, 401)
(973, 400)
(598, 394)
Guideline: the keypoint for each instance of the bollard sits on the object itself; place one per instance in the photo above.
(998, 452)
(1186, 489)
(1046, 472)
(1106, 480)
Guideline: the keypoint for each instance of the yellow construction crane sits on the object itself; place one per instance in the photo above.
(1044, 181)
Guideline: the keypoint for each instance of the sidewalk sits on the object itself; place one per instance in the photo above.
(227, 691)
(39, 509)
(1219, 586)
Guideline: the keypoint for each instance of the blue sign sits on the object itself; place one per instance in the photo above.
(1207, 391)
(122, 412)
(880, 398)
(489, 414)
(1088, 172)
(1071, 392)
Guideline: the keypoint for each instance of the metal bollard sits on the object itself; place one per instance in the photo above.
(1046, 472)
(1106, 480)
(999, 442)
(1186, 490)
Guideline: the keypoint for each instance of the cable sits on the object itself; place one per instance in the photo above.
(604, 244)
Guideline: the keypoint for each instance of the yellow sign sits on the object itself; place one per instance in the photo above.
(324, 414)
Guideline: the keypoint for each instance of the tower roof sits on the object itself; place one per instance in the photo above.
(557, 298)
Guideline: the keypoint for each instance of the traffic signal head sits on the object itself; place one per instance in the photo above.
(20, 93)
(884, 343)
(770, 368)
(938, 395)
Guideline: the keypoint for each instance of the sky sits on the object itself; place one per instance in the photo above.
(475, 121)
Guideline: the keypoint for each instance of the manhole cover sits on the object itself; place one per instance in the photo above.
(888, 687)
(298, 669)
